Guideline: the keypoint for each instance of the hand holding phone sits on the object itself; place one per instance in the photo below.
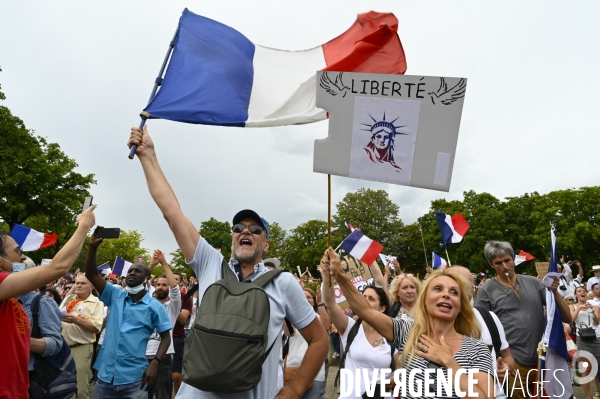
(108, 232)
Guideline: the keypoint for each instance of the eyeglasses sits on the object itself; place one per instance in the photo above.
(254, 228)
(19, 250)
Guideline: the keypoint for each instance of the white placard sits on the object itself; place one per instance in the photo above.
(396, 129)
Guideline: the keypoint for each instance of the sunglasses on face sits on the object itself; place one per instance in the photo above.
(254, 228)
(19, 250)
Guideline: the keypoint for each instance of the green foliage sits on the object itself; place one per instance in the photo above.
(38, 183)
(217, 234)
(277, 238)
(305, 245)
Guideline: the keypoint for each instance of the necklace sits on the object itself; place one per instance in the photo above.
(515, 289)
(378, 342)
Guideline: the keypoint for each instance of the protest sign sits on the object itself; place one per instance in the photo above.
(358, 272)
(542, 269)
(395, 129)
(386, 258)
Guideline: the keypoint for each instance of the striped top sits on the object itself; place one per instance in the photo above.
(472, 354)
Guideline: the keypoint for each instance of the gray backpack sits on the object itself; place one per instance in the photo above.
(227, 346)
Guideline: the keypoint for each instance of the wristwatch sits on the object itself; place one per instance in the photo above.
(157, 358)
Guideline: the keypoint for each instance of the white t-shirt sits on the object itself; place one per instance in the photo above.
(591, 281)
(361, 355)
(593, 302)
(486, 338)
(297, 350)
(173, 307)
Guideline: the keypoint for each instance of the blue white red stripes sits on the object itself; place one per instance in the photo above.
(558, 382)
(523, 256)
(453, 228)
(30, 240)
(217, 76)
(121, 267)
(361, 247)
(437, 261)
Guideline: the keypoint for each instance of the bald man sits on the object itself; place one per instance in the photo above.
(81, 321)
(504, 360)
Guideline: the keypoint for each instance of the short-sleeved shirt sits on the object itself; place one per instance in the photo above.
(173, 306)
(523, 320)
(14, 356)
(92, 310)
(473, 354)
(178, 329)
(49, 323)
(128, 328)
(286, 300)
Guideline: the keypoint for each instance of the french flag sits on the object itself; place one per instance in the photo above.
(348, 225)
(453, 228)
(437, 261)
(523, 256)
(217, 76)
(30, 240)
(361, 247)
(121, 267)
(556, 361)
(105, 268)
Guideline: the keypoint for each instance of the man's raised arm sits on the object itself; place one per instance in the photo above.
(91, 269)
(184, 231)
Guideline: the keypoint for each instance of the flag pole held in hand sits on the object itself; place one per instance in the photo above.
(157, 82)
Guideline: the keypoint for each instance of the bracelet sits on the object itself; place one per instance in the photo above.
(157, 358)
(320, 304)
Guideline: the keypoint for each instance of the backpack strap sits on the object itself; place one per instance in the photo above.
(35, 312)
(491, 325)
(226, 271)
(351, 335)
(267, 277)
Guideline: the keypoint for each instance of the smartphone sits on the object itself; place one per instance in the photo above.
(87, 203)
(109, 232)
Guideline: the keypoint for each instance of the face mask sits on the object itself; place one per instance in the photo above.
(18, 267)
(134, 290)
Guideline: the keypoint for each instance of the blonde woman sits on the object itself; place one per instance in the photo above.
(404, 291)
(443, 335)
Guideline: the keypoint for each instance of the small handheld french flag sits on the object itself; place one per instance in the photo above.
(523, 257)
(361, 247)
(104, 268)
(30, 240)
(453, 228)
(437, 261)
(348, 225)
(121, 267)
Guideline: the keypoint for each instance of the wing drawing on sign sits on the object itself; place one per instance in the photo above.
(381, 146)
(448, 96)
(334, 87)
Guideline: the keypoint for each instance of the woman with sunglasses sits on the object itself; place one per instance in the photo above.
(368, 349)
(443, 335)
(586, 315)
(404, 291)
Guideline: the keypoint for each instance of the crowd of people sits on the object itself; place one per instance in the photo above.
(155, 336)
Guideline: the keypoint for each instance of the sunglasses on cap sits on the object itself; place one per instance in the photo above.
(254, 228)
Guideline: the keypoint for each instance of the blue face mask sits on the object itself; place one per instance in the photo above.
(18, 267)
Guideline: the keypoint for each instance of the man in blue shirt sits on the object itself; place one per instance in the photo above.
(123, 370)
(49, 321)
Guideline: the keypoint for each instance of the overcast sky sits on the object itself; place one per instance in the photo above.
(79, 73)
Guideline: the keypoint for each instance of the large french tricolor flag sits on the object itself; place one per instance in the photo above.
(217, 76)
(453, 228)
(30, 240)
(556, 362)
(361, 247)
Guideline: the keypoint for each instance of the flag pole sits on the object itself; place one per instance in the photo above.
(423, 240)
(329, 218)
(157, 82)
(447, 256)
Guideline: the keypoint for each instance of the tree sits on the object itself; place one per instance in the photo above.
(277, 237)
(375, 214)
(37, 179)
(305, 245)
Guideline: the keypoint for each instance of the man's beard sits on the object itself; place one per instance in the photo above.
(160, 294)
(250, 258)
